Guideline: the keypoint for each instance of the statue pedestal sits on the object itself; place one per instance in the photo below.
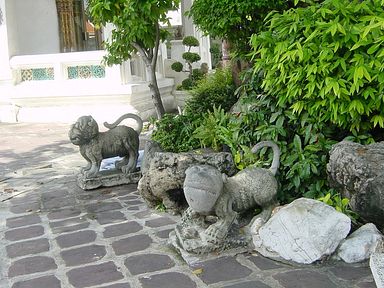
(107, 178)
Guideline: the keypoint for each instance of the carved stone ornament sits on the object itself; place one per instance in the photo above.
(217, 203)
(95, 146)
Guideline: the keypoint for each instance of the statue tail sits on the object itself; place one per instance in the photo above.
(126, 116)
(276, 154)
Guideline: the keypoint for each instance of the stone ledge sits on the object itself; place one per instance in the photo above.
(376, 263)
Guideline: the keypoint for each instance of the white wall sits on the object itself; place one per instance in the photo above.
(5, 71)
(32, 27)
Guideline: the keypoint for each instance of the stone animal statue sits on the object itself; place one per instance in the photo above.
(95, 146)
(215, 200)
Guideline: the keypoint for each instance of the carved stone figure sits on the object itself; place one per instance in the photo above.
(164, 174)
(216, 200)
(95, 146)
(357, 171)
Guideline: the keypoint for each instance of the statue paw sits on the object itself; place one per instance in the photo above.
(90, 174)
(126, 169)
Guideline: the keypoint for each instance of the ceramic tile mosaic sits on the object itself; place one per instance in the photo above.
(37, 74)
(85, 72)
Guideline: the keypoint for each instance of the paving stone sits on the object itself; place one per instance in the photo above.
(24, 233)
(248, 284)
(64, 213)
(94, 275)
(104, 206)
(304, 279)
(367, 285)
(58, 203)
(66, 229)
(42, 282)
(30, 197)
(167, 280)
(351, 273)
(76, 238)
(217, 270)
(133, 208)
(122, 229)
(129, 197)
(264, 263)
(110, 217)
(164, 234)
(31, 265)
(133, 202)
(158, 222)
(83, 255)
(131, 244)
(27, 247)
(68, 222)
(24, 208)
(23, 221)
(148, 263)
(118, 285)
(143, 214)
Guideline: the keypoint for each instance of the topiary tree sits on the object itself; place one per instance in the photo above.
(326, 60)
(136, 29)
(190, 58)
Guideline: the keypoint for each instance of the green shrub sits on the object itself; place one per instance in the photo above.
(191, 57)
(177, 66)
(174, 133)
(216, 89)
(327, 61)
(190, 41)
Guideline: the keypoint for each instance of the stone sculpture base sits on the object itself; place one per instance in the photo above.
(107, 179)
(233, 245)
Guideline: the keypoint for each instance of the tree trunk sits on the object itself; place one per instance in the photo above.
(154, 88)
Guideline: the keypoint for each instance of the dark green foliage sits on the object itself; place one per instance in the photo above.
(187, 84)
(191, 57)
(190, 41)
(216, 89)
(177, 66)
(174, 133)
(215, 53)
(177, 133)
(327, 61)
(235, 21)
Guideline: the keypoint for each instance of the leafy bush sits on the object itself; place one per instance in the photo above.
(174, 133)
(326, 61)
(190, 41)
(177, 66)
(216, 89)
(178, 133)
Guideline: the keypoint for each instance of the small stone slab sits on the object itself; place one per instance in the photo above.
(83, 255)
(31, 265)
(107, 179)
(27, 247)
(45, 281)
(163, 281)
(145, 263)
(376, 263)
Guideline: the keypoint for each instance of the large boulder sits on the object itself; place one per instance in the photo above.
(357, 171)
(303, 231)
(164, 175)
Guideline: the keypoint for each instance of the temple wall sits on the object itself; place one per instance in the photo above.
(32, 27)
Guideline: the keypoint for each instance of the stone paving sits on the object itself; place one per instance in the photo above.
(53, 234)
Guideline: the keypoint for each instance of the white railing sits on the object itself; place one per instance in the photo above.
(79, 65)
(74, 65)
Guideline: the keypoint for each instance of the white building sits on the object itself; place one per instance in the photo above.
(51, 70)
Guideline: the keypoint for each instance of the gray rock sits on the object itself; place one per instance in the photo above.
(357, 171)
(304, 231)
(360, 244)
(107, 178)
(376, 263)
(163, 181)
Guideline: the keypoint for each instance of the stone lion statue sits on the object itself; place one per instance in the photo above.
(95, 146)
(216, 201)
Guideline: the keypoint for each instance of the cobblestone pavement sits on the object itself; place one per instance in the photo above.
(53, 234)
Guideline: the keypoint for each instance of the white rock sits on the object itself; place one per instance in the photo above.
(376, 263)
(360, 244)
(304, 231)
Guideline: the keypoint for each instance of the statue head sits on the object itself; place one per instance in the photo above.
(203, 185)
(83, 130)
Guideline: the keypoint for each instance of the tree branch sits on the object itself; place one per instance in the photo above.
(144, 53)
